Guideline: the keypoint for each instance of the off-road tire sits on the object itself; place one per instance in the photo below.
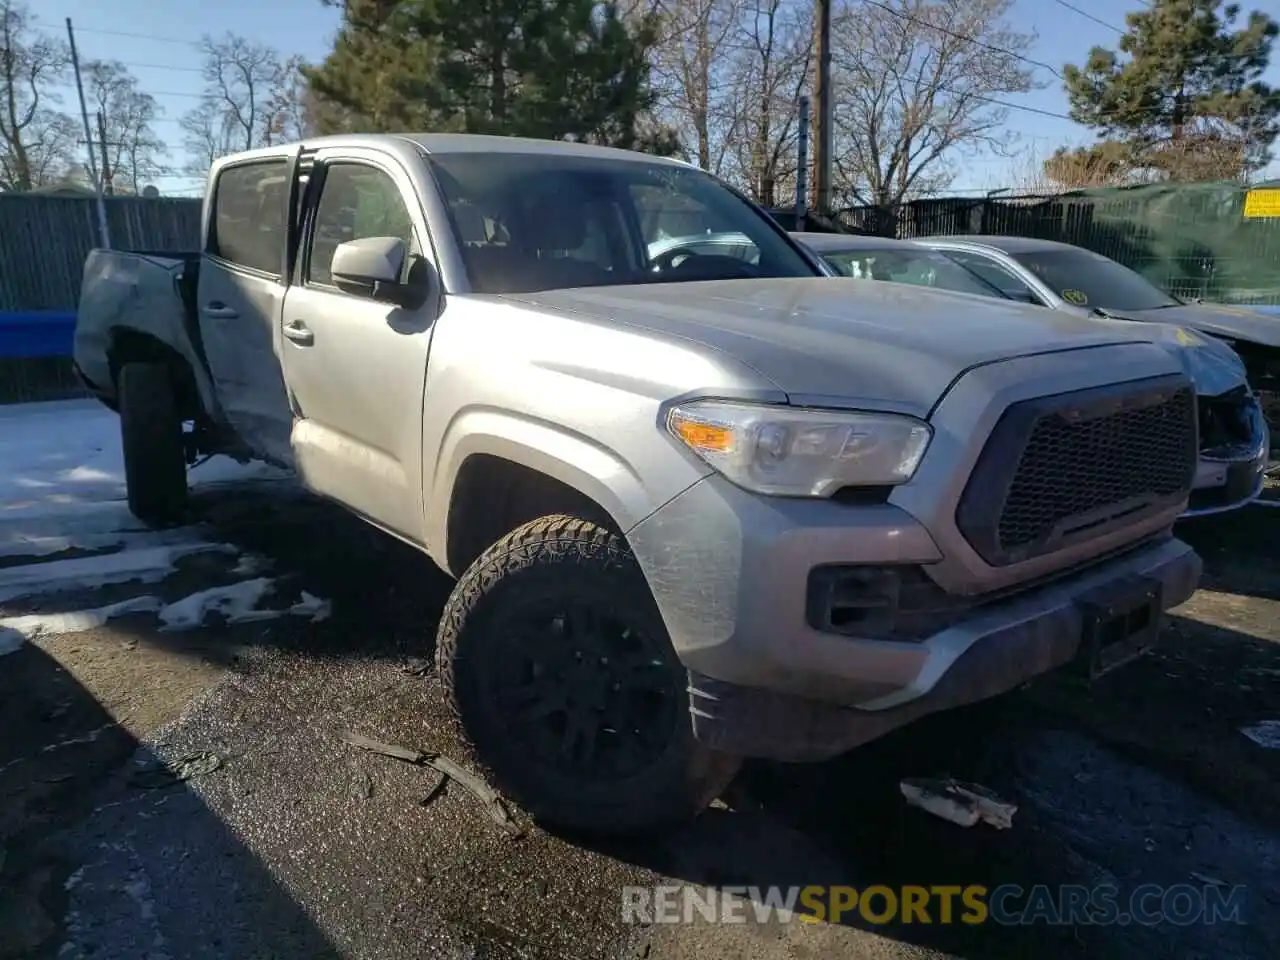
(155, 463)
(587, 563)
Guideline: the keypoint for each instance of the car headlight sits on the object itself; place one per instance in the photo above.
(796, 452)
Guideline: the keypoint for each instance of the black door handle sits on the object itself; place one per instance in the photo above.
(217, 310)
(299, 333)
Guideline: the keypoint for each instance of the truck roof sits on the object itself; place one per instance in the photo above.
(450, 143)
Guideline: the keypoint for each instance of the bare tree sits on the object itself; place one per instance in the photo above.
(770, 72)
(209, 133)
(245, 85)
(692, 71)
(36, 141)
(919, 82)
(131, 154)
(289, 107)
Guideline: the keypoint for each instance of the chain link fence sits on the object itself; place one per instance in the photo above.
(1191, 240)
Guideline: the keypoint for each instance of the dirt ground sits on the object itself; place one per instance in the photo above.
(1145, 774)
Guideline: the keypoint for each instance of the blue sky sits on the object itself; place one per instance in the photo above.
(155, 39)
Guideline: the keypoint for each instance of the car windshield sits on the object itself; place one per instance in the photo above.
(528, 222)
(1088, 279)
(921, 267)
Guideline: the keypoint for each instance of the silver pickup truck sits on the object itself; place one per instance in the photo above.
(699, 508)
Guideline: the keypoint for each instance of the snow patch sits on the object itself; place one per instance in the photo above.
(34, 625)
(250, 565)
(62, 488)
(149, 565)
(69, 450)
(21, 544)
(1265, 734)
(10, 641)
(312, 607)
(238, 603)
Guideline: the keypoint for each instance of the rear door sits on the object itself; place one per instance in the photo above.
(356, 367)
(240, 296)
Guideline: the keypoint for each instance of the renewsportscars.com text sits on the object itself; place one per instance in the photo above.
(1007, 904)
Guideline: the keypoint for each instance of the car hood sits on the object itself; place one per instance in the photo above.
(1234, 323)
(826, 340)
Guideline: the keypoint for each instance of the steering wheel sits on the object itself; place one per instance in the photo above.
(686, 264)
(671, 259)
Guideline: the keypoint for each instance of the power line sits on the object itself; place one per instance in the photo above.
(964, 38)
(125, 33)
(159, 66)
(1111, 26)
(1089, 16)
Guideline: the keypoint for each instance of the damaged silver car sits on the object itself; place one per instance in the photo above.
(1234, 435)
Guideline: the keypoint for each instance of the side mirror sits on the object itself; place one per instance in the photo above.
(372, 267)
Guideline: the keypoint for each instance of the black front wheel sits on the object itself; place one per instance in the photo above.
(559, 669)
(155, 463)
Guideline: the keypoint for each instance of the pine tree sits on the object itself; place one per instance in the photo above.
(541, 68)
(1183, 94)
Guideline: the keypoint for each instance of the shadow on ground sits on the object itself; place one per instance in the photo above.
(74, 833)
(1141, 779)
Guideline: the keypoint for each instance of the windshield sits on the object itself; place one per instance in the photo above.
(527, 222)
(1088, 279)
(921, 267)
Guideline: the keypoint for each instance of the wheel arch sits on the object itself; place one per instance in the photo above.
(499, 467)
(127, 345)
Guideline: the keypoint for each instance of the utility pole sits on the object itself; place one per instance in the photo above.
(822, 122)
(802, 164)
(104, 235)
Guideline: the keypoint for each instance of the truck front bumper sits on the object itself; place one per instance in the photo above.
(772, 675)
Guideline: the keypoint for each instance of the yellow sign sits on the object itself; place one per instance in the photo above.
(1262, 203)
(1077, 297)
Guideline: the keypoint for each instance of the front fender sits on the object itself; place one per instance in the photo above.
(629, 492)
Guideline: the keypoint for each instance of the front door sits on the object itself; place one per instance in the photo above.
(356, 367)
(239, 299)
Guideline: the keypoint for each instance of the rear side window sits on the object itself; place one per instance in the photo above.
(996, 274)
(248, 215)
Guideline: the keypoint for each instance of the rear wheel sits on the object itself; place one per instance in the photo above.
(560, 671)
(155, 463)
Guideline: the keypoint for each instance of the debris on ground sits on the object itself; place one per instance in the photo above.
(961, 803)
(437, 788)
(474, 785)
(407, 754)
(165, 773)
(417, 667)
(1207, 880)
(1265, 734)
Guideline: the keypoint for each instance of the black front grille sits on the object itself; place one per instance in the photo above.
(1061, 469)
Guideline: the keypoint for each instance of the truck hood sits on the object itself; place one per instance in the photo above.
(825, 340)
(1220, 320)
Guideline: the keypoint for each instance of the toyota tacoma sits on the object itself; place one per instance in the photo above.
(700, 506)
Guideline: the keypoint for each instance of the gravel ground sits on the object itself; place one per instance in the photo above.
(299, 845)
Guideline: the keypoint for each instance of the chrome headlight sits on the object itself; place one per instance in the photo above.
(796, 452)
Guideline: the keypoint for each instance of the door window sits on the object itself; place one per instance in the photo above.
(996, 274)
(356, 201)
(248, 215)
